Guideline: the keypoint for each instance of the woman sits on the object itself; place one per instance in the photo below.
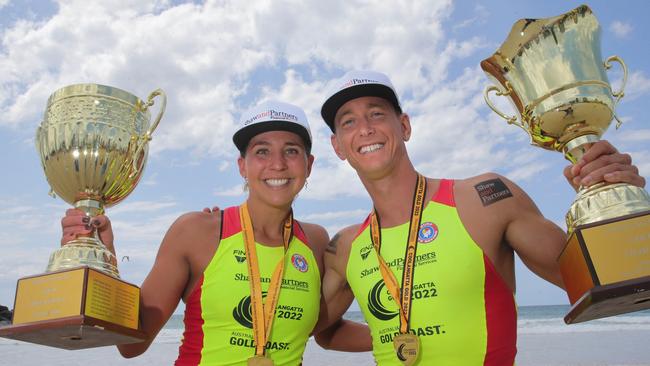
(248, 270)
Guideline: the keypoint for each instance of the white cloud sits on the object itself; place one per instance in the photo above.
(143, 231)
(205, 55)
(638, 84)
(633, 136)
(3, 3)
(234, 191)
(141, 207)
(346, 215)
(620, 29)
(479, 16)
(217, 58)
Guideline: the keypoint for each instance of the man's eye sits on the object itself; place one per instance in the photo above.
(291, 151)
(346, 122)
(376, 114)
(261, 152)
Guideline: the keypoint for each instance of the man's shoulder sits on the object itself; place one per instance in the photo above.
(341, 242)
(481, 178)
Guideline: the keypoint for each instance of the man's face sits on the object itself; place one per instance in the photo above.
(370, 135)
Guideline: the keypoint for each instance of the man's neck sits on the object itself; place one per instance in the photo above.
(392, 194)
(268, 222)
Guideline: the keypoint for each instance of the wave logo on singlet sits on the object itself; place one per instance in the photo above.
(242, 312)
(299, 262)
(376, 305)
(428, 232)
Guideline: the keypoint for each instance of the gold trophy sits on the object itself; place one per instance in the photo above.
(93, 144)
(552, 72)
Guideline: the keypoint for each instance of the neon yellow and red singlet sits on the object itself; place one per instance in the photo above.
(218, 325)
(462, 310)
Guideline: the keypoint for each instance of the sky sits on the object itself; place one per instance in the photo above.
(215, 59)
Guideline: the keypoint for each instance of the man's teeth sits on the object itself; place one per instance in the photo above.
(370, 148)
(277, 182)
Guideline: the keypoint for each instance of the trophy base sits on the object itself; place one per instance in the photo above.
(605, 267)
(613, 299)
(74, 309)
(78, 332)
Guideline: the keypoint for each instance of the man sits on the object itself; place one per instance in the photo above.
(447, 245)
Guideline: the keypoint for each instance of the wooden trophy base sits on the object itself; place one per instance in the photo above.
(75, 309)
(77, 332)
(606, 268)
(609, 300)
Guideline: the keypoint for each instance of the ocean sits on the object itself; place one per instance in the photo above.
(543, 340)
(547, 319)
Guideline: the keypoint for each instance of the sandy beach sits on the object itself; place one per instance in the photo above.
(601, 348)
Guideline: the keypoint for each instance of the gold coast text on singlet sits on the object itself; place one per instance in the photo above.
(218, 322)
(462, 311)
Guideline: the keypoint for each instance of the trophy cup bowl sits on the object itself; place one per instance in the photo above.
(552, 72)
(93, 145)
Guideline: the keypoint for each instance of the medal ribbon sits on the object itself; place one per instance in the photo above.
(262, 312)
(402, 295)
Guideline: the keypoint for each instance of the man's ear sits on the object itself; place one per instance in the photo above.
(337, 147)
(310, 162)
(405, 124)
(242, 166)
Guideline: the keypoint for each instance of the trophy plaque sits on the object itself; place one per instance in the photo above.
(553, 73)
(93, 145)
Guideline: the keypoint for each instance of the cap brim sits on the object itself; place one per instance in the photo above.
(243, 136)
(333, 103)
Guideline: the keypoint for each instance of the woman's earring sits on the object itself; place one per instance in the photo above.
(245, 187)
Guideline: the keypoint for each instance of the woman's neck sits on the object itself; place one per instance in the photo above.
(268, 222)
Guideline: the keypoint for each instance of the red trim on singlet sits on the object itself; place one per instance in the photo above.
(501, 319)
(189, 352)
(445, 193)
(363, 227)
(298, 232)
(231, 224)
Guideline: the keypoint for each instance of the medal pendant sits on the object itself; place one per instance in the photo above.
(260, 361)
(407, 347)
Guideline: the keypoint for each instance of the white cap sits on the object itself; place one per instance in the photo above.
(357, 84)
(272, 116)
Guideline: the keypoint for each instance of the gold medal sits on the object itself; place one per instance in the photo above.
(407, 347)
(260, 361)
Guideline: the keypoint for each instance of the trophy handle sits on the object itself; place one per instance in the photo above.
(510, 119)
(619, 94)
(144, 140)
(155, 93)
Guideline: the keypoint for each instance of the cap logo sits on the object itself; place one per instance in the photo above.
(356, 81)
(272, 114)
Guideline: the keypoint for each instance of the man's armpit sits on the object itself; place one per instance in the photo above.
(332, 245)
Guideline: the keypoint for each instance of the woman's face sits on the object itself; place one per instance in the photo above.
(276, 165)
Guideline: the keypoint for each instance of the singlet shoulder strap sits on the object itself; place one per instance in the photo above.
(230, 223)
(445, 193)
(363, 226)
(299, 233)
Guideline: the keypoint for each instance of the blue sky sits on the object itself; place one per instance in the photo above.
(217, 58)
